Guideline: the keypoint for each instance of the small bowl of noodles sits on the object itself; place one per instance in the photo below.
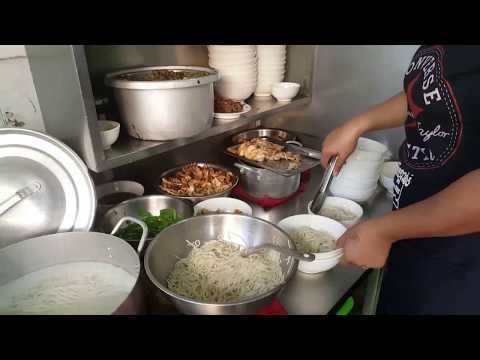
(197, 264)
(318, 235)
(343, 210)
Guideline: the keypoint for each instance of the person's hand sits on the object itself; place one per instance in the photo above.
(366, 245)
(342, 142)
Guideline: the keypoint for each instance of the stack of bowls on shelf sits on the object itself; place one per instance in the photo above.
(358, 178)
(237, 68)
(271, 67)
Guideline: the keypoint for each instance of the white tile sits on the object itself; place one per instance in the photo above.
(18, 95)
(9, 51)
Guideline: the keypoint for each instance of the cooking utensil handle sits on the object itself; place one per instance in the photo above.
(19, 196)
(322, 191)
(139, 222)
(294, 142)
(246, 167)
(315, 154)
(285, 251)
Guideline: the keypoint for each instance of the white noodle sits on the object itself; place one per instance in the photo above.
(337, 213)
(216, 272)
(80, 288)
(307, 239)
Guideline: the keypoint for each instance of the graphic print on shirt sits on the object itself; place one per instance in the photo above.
(434, 122)
(402, 180)
(431, 140)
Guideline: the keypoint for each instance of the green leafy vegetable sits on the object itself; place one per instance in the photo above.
(155, 224)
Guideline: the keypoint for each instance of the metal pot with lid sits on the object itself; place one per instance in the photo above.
(45, 187)
(159, 108)
(73, 273)
(263, 183)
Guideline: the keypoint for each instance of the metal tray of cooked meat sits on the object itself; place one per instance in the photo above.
(281, 167)
(196, 199)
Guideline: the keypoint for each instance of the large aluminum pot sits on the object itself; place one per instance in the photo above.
(38, 253)
(170, 245)
(164, 110)
(152, 203)
(263, 183)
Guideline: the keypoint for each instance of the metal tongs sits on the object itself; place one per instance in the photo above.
(321, 194)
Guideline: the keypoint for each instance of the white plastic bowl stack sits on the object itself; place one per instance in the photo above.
(271, 67)
(359, 176)
(237, 67)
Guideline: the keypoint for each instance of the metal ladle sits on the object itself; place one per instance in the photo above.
(285, 251)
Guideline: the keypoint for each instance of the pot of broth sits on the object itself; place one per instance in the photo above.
(73, 273)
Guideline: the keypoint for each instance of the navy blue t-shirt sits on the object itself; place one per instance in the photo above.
(436, 275)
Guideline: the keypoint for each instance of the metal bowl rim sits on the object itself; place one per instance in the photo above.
(112, 80)
(127, 202)
(290, 272)
(237, 135)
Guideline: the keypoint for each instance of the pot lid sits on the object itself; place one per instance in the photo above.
(45, 187)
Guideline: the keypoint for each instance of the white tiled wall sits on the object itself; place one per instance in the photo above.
(18, 99)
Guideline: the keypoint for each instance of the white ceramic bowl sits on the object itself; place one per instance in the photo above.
(224, 204)
(230, 48)
(333, 201)
(268, 73)
(230, 52)
(271, 66)
(260, 94)
(232, 63)
(357, 195)
(240, 70)
(245, 76)
(387, 174)
(373, 146)
(354, 184)
(285, 91)
(271, 49)
(363, 155)
(271, 78)
(271, 58)
(237, 83)
(265, 86)
(109, 132)
(327, 260)
(361, 168)
(235, 93)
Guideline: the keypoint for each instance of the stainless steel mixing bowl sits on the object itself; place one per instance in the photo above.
(170, 245)
(151, 203)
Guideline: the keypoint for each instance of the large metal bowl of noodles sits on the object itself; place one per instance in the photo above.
(170, 245)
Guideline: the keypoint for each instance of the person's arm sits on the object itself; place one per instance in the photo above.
(453, 211)
(343, 140)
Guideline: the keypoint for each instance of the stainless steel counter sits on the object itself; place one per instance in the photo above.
(317, 294)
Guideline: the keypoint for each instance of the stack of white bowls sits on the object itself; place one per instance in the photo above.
(272, 61)
(237, 68)
(358, 178)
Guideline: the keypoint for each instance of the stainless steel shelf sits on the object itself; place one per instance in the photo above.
(128, 150)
